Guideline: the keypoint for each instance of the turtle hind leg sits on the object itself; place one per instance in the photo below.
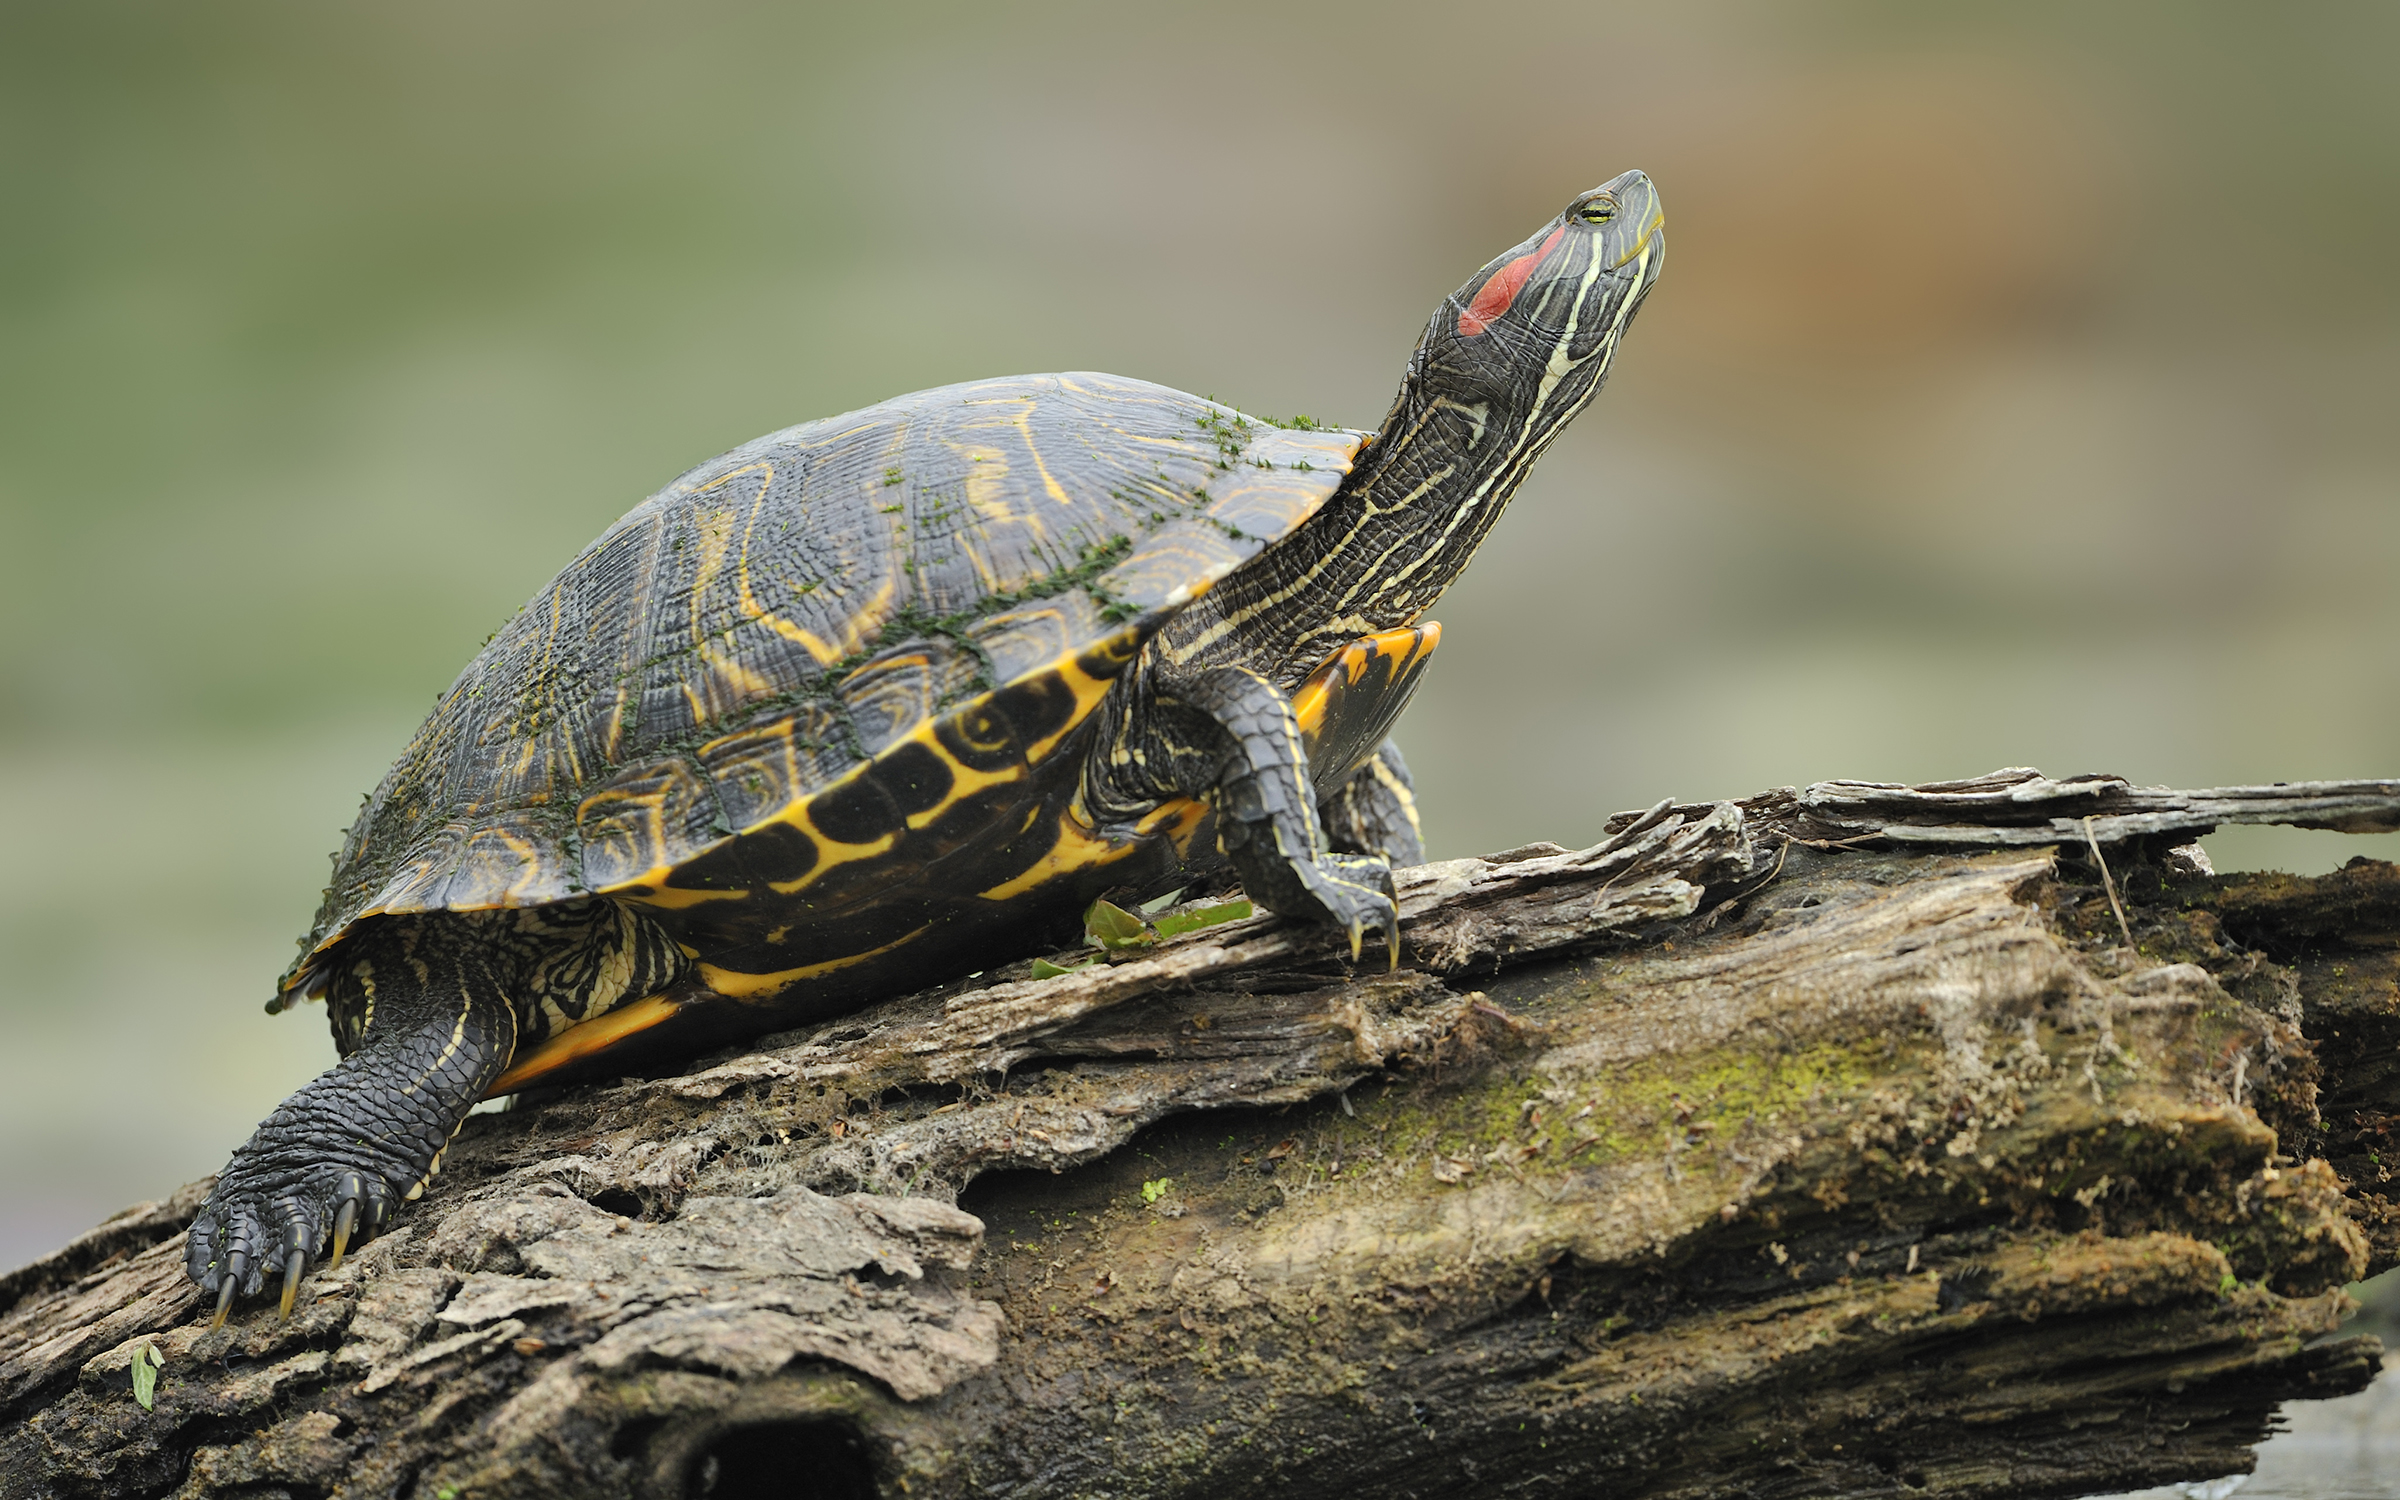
(1375, 811)
(340, 1156)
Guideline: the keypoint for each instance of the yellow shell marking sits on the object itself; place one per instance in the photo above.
(1023, 422)
(1077, 848)
(830, 854)
(738, 986)
(808, 640)
(663, 896)
(965, 781)
(529, 862)
(1088, 691)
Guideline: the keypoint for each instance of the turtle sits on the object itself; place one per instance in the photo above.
(888, 698)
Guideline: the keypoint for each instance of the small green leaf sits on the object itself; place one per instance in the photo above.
(146, 1365)
(1153, 908)
(1202, 916)
(1113, 927)
(1156, 1189)
(1045, 969)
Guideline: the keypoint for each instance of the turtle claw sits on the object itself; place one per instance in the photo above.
(345, 1219)
(1356, 891)
(249, 1231)
(233, 1278)
(1391, 940)
(295, 1266)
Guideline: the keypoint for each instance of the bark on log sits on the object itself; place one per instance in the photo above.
(1835, 1142)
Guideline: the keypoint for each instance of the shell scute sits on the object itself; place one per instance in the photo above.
(896, 690)
(773, 854)
(644, 820)
(980, 739)
(915, 778)
(499, 864)
(1173, 565)
(1031, 636)
(855, 810)
(761, 770)
(1276, 486)
(417, 885)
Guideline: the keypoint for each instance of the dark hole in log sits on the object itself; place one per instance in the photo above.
(617, 1201)
(633, 1437)
(783, 1461)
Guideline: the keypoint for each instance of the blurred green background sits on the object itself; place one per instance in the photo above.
(2020, 391)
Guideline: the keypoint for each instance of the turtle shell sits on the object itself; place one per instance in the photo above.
(834, 664)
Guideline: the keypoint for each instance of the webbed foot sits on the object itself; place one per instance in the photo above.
(1355, 891)
(260, 1220)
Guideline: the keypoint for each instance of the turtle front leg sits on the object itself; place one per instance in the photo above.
(338, 1157)
(1229, 733)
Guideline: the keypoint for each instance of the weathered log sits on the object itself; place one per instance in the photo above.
(1834, 1142)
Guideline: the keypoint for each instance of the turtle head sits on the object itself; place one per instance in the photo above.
(1507, 359)
(1526, 342)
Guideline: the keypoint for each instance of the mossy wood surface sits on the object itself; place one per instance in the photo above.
(1828, 1143)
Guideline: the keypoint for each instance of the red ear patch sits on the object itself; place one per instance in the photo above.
(1493, 301)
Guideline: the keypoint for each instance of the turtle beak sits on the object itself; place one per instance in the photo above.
(1644, 221)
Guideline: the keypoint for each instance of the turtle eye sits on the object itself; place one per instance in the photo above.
(1598, 211)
